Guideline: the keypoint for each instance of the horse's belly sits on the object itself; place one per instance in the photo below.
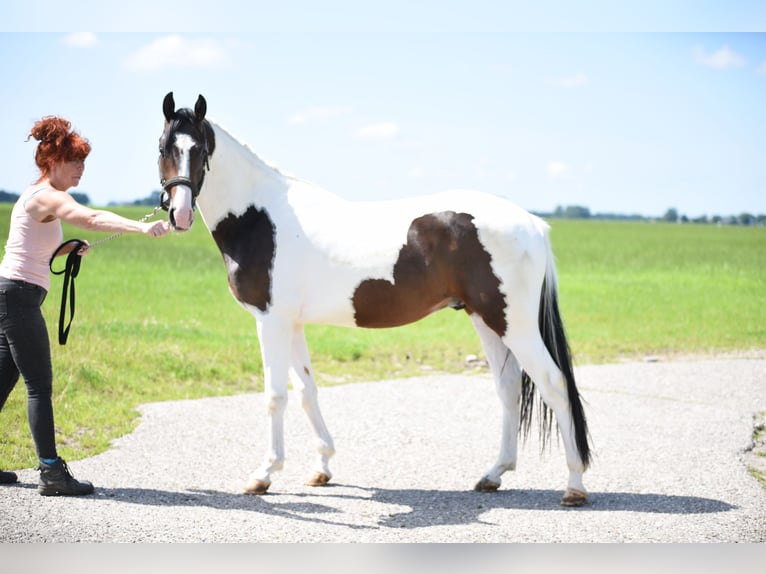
(378, 312)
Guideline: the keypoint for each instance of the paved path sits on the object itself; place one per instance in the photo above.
(669, 441)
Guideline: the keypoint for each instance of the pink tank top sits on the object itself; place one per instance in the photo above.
(30, 243)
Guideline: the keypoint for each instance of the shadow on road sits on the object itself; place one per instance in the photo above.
(422, 508)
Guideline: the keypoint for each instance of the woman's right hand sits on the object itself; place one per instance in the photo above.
(156, 228)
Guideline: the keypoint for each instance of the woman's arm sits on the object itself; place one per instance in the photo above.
(63, 206)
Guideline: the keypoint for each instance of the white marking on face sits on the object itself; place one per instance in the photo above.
(182, 199)
(184, 143)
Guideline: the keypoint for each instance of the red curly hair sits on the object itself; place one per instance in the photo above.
(58, 143)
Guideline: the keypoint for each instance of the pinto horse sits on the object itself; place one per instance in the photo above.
(296, 254)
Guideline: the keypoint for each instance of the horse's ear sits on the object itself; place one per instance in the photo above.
(200, 108)
(169, 107)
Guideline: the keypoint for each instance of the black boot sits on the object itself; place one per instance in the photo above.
(8, 477)
(56, 479)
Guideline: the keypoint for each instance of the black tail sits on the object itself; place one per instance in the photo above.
(552, 331)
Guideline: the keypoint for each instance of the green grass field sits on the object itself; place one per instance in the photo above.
(155, 321)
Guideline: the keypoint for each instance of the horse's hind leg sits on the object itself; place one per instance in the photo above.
(507, 375)
(304, 384)
(550, 383)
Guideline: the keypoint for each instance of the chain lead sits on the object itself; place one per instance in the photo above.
(145, 218)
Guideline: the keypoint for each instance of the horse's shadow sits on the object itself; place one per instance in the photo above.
(423, 507)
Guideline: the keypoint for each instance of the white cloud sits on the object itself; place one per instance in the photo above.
(761, 69)
(416, 172)
(317, 113)
(575, 81)
(80, 40)
(378, 132)
(557, 169)
(722, 59)
(178, 52)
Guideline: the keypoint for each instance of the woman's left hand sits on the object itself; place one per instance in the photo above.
(84, 249)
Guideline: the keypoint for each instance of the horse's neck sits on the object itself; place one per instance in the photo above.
(237, 179)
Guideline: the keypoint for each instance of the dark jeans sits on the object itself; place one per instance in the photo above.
(25, 349)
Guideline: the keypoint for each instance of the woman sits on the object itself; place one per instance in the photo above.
(35, 233)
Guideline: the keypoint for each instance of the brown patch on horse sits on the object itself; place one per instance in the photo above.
(248, 245)
(442, 264)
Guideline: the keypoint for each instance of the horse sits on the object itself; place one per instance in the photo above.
(296, 254)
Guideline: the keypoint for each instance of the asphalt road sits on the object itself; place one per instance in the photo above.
(669, 441)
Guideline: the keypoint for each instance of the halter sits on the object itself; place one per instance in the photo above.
(178, 180)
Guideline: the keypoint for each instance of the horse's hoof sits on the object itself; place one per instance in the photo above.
(318, 479)
(486, 485)
(574, 497)
(257, 486)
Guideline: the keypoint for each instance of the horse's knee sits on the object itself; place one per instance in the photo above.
(308, 396)
(276, 403)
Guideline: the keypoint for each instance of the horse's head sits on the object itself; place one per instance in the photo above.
(185, 145)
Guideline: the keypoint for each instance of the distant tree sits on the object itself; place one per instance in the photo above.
(8, 197)
(671, 215)
(572, 212)
(746, 219)
(577, 212)
(80, 197)
(152, 199)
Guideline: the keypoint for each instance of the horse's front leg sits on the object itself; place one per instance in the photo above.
(275, 338)
(303, 382)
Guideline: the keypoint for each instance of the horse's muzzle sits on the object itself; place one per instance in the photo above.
(180, 206)
(181, 223)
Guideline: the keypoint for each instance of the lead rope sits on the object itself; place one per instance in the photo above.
(72, 269)
(145, 218)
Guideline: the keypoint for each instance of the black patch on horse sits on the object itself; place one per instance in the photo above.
(249, 240)
(442, 264)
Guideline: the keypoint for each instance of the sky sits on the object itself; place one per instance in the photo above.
(616, 109)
